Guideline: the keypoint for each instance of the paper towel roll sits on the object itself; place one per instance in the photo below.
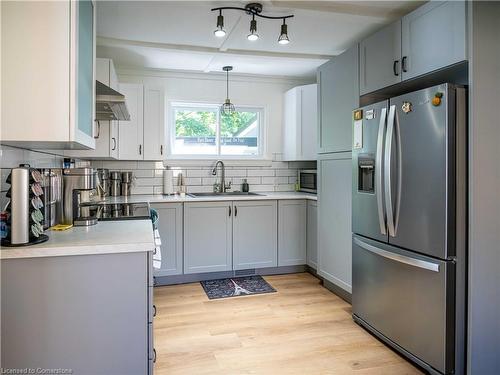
(168, 182)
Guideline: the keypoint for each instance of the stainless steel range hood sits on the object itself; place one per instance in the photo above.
(110, 104)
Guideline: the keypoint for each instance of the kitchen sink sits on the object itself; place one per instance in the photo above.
(229, 193)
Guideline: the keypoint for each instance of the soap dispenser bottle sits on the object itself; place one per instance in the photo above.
(244, 186)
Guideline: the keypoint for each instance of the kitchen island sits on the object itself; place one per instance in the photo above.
(76, 301)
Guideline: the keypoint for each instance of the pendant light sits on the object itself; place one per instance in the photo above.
(283, 39)
(253, 30)
(219, 31)
(227, 108)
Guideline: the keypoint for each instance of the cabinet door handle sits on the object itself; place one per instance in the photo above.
(98, 129)
(235, 211)
(161, 150)
(154, 355)
(395, 67)
(114, 144)
(403, 63)
(229, 210)
(154, 311)
(140, 149)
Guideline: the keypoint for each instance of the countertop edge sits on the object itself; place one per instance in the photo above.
(25, 252)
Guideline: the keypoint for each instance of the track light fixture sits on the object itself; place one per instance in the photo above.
(219, 31)
(253, 30)
(253, 9)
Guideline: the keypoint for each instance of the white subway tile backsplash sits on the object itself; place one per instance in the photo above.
(209, 180)
(192, 181)
(236, 173)
(278, 176)
(142, 173)
(261, 172)
(200, 189)
(118, 165)
(281, 180)
(286, 172)
(148, 181)
(288, 187)
(141, 190)
(262, 188)
(198, 173)
(268, 180)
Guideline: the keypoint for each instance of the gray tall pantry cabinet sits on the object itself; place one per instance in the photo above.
(338, 96)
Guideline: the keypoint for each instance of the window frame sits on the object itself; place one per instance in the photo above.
(193, 105)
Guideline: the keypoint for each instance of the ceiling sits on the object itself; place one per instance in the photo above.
(178, 35)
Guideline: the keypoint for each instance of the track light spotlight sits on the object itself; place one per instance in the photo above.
(283, 39)
(253, 30)
(219, 31)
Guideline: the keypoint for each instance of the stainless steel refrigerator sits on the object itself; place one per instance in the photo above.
(409, 224)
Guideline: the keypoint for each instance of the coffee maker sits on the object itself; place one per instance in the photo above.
(79, 186)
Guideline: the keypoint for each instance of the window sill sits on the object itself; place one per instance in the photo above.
(210, 160)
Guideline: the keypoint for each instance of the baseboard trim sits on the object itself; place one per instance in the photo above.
(342, 293)
(196, 277)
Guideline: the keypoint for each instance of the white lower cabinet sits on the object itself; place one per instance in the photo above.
(255, 227)
(312, 234)
(292, 216)
(170, 227)
(208, 237)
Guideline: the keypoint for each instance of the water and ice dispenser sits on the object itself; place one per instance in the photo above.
(366, 174)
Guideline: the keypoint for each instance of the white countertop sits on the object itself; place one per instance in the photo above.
(159, 198)
(106, 237)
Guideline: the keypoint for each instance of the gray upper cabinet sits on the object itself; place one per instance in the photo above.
(170, 228)
(431, 37)
(207, 237)
(312, 234)
(255, 227)
(338, 95)
(434, 36)
(334, 219)
(380, 59)
(292, 216)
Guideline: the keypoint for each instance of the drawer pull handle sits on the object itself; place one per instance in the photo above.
(154, 311)
(398, 257)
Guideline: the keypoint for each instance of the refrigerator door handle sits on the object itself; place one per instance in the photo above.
(398, 257)
(378, 171)
(400, 171)
(387, 172)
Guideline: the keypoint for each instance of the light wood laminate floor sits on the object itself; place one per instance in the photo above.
(301, 329)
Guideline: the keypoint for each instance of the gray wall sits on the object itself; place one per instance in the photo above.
(484, 228)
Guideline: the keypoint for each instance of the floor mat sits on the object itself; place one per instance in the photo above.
(236, 286)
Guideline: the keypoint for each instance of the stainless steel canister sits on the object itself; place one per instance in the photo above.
(127, 176)
(103, 174)
(115, 182)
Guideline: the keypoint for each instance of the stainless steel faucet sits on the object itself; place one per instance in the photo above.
(221, 187)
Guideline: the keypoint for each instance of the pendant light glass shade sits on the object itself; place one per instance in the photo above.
(227, 108)
(283, 39)
(219, 31)
(253, 30)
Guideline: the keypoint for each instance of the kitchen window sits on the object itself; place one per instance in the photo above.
(201, 130)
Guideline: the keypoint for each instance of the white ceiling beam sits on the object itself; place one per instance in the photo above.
(113, 42)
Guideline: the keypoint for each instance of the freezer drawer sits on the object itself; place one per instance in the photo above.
(407, 298)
